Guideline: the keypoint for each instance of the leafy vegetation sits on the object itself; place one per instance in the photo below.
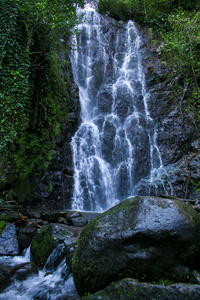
(144, 11)
(181, 51)
(34, 95)
(14, 85)
(2, 225)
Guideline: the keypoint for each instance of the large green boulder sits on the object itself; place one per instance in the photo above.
(146, 238)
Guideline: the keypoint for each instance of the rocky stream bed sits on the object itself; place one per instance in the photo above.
(143, 248)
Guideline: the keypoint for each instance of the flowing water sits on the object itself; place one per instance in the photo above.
(46, 284)
(115, 145)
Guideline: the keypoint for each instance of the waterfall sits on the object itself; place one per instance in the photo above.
(115, 145)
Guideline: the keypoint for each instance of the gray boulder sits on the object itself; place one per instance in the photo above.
(8, 240)
(130, 289)
(146, 238)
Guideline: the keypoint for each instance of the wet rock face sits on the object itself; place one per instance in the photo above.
(53, 189)
(25, 235)
(175, 129)
(141, 237)
(174, 136)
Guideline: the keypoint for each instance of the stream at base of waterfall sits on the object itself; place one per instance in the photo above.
(43, 284)
(115, 146)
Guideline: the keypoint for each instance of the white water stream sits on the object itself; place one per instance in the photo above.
(41, 284)
(115, 145)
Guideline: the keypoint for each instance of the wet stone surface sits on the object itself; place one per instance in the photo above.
(141, 237)
(8, 240)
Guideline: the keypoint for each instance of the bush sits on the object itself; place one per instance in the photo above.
(34, 95)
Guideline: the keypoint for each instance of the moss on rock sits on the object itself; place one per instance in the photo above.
(2, 225)
(48, 238)
(141, 236)
(130, 289)
(42, 245)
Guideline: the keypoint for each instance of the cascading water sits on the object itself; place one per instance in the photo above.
(115, 145)
(51, 283)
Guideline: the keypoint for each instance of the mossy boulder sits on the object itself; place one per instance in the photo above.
(146, 238)
(47, 239)
(130, 289)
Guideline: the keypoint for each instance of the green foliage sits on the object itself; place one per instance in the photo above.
(14, 85)
(165, 282)
(2, 225)
(182, 43)
(42, 245)
(144, 11)
(181, 52)
(34, 96)
(118, 10)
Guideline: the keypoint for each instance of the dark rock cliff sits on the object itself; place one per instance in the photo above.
(55, 187)
(176, 134)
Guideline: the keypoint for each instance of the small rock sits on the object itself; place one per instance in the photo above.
(197, 208)
(62, 220)
(50, 216)
(9, 216)
(80, 222)
(196, 278)
(72, 214)
(7, 271)
(38, 222)
(8, 240)
(26, 234)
